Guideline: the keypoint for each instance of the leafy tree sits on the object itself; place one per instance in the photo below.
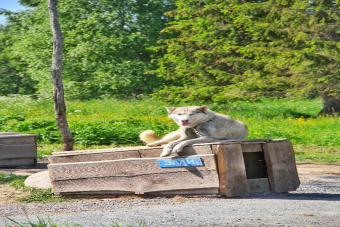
(13, 79)
(240, 49)
(105, 45)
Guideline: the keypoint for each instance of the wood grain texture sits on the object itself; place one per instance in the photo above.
(121, 153)
(18, 139)
(18, 162)
(281, 166)
(8, 133)
(231, 170)
(91, 156)
(132, 175)
(18, 151)
(254, 147)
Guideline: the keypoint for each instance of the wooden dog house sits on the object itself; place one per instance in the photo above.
(233, 168)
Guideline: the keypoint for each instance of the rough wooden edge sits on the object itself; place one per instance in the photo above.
(114, 154)
(17, 135)
(281, 166)
(245, 141)
(231, 169)
(7, 133)
(13, 162)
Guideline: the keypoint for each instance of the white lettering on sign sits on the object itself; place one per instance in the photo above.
(179, 162)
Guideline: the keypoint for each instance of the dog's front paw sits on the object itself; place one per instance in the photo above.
(177, 149)
(166, 151)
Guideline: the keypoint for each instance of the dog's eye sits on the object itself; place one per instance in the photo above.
(179, 114)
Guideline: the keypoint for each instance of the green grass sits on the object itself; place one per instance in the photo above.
(110, 123)
(35, 195)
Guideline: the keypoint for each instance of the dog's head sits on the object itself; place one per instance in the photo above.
(187, 115)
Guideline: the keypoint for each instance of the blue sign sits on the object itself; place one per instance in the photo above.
(179, 162)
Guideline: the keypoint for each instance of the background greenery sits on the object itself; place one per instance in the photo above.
(178, 50)
(272, 64)
(111, 123)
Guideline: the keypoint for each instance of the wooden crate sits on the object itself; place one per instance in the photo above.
(230, 168)
(17, 149)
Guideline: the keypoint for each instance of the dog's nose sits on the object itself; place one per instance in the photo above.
(185, 120)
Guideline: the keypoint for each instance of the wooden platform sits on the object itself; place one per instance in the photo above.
(230, 168)
(17, 149)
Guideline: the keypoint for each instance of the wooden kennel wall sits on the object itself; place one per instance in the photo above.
(17, 149)
(230, 168)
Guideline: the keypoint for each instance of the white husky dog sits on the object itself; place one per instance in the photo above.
(197, 124)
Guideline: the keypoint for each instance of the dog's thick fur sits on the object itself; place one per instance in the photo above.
(197, 124)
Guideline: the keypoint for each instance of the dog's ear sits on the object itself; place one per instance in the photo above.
(202, 108)
(170, 109)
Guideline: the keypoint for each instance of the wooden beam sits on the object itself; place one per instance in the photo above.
(18, 151)
(132, 175)
(281, 166)
(231, 170)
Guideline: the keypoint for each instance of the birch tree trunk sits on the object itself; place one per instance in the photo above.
(58, 88)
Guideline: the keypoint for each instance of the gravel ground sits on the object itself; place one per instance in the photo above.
(315, 203)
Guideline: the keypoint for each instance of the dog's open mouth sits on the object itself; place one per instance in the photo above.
(185, 123)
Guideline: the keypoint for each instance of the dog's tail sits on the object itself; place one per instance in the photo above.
(149, 136)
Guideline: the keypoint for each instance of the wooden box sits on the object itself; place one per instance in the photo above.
(17, 149)
(230, 168)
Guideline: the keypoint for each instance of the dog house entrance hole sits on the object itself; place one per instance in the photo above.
(255, 165)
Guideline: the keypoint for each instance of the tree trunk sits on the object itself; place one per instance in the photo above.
(58, 88)
(331, 105)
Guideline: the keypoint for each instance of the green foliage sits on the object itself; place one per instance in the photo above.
(108, 123)
(35, 195)
(13, 79)
(42, 196)
(16, 181)
(105, 51)
(241, 50)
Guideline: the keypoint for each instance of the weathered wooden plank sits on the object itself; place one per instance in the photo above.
(257, 185)
(141, 184)
(18, 139)
(122, 167)
(232, 173)
(281, 166)
(114, 149)
(254, 147)
(8, 133)
(18, 151)
(18, 162)
(137, 175)
(93, 156)
(121, 153)
(151, 152)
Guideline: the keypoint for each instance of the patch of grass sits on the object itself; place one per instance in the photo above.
(100, 124)
(16, 181)
(42, 196)
(312, 153)
(35, 195)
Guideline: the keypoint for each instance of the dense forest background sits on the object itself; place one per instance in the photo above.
(177, 50)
